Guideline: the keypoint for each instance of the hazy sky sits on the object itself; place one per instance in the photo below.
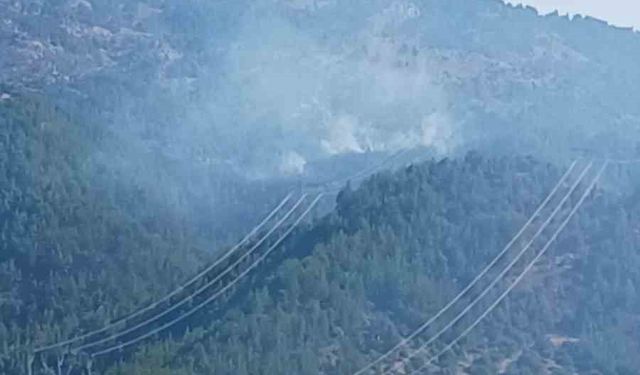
(617, 12)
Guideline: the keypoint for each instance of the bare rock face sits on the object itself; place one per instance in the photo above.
(335, 76)
(49, 42)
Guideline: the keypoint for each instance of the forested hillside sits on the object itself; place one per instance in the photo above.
(140, 138)
(80, 248)
(75, 248)
(396, 250)
(80, 244)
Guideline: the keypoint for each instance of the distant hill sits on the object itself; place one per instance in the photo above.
(136, 137)
(258, 84)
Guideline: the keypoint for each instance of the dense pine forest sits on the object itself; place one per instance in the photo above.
(140, 140)
(397, 249)
(81, 244)
(343, 288)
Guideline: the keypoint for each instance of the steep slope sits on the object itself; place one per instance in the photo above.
(146, 137)
(396, 250)
(301, 80)
(80, 244)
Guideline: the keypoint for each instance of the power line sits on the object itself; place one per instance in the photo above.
(474, 281)
(119, 321)
(373, 169)
(217, 294)
(193, 280)
(506, 270)
(188, 298)
(131, 329)
(367, 172)
(522, 274)
(357, 175)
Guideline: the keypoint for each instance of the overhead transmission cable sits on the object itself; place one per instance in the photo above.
(197, 277)
(424, 326)
(218, 293)
(505, 271)
(176, 291)
(368, 171)
(204, 287)
(522, 274)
